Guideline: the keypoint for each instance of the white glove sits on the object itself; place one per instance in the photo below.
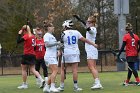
(58, 43)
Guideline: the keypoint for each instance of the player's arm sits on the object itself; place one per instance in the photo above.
(89, 42)
(20, 39)
(139, 45)
(51, 44)
(122, 48)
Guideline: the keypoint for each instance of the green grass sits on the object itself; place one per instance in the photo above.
(111, 81)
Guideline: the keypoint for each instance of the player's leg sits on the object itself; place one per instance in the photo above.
(54, 69)
(37, 68)
(45, 70)
(75, 76)
(129, 74)
(24, 73)
(24, 77)
(37, 65)
(36, 73)
(24, 64)
(91, 60)
(61, 88)
(31, 62)
(134, 71)
(47, 85)
(94, 72)
(92, 68)
(47, 82)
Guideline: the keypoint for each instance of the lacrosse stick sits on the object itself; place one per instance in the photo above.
(61, 40)
(79, 19)
(120, 59)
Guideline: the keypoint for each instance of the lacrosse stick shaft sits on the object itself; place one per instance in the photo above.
(80, 20)
(64, 66)
(61, 37)
(125, 61)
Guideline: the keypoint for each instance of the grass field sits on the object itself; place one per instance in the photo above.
(111, 81)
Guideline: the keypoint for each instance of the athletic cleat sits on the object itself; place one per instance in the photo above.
(55, 90)
(77, 89)
(23, 86)
(42, 84)
(125, 83)
(46, 89)
(60, 88)
(97, 86)
(138, 83)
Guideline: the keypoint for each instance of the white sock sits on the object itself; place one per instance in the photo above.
(46, 79)
(52, 85)
(75, 85)
(24, 83)
(62, 84)
(97, 81)
(41, 79)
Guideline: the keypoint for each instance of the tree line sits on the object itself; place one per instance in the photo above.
(14, 14)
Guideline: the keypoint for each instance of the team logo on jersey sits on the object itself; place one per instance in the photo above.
(70, 33)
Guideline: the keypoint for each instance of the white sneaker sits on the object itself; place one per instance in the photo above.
(138, 84)
(38, 82)
(60, 88)
(46, 89)
(97, 86)
(23, 86)
(55, 90)
(42, 84)
(77, 89)
(125, 83)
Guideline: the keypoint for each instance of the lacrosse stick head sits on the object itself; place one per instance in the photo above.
(68, 23)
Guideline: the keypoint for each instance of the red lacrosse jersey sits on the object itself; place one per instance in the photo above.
(29, 44)
(40, 49)
(131, 44)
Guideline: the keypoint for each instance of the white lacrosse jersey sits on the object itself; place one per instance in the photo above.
(91, 37)
(50, 51)
(70, 39)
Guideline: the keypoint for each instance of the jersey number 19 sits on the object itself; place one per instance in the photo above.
(71, 40)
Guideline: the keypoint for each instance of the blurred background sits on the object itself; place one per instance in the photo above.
(14, 14)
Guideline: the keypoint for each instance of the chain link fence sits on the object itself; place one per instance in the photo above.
(10, 65)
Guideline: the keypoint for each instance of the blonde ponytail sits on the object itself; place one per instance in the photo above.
(27, 28)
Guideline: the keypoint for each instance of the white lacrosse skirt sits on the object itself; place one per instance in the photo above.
(50, 60)
(92, 54)
(73, 58)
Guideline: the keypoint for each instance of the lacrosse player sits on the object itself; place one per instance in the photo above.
(132, 44)
(71, 52)
(28, 59)
(51, 57)
(40, 52)
(92, 52)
